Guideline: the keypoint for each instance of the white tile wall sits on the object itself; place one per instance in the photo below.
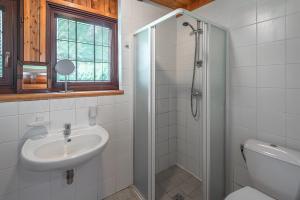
(244, 56)
(271, 76)
(244, 76)
(270, 9)
(8, 109)
(246, 11)
(271, 53)
(51, 185)
(272, 30)
(100, 177)
(292, 6)
(134, 14)
(8, 182)
(178, 136)
(244, 36)
(264, 98)
(189, 135)
(165, 97)
(9, 128)
(292, 71)
(293, 46)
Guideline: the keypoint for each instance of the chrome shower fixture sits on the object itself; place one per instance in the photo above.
(188, 24)
(195, 92)
(194, 31)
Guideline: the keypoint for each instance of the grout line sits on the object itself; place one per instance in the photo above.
(256, 92)
(285, 75)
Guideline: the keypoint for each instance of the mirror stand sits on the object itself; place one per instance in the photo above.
(66, 84)
(65, 68)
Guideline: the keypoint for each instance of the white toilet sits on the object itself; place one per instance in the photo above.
(274, 171)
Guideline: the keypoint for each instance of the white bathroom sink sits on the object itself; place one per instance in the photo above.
(53, 153)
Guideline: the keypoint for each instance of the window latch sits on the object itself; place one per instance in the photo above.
(7, 57)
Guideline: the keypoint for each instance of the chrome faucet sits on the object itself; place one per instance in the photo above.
(67, 132)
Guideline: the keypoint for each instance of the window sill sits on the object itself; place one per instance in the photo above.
(57, 95)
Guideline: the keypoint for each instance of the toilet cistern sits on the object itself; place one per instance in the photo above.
(274, 172)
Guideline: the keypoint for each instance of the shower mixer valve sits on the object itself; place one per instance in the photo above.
(199, 30)
(196, 93)
(199, 63)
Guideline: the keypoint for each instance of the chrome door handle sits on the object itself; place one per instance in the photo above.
(7, 57)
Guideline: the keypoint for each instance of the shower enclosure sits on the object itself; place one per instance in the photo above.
(179, 108)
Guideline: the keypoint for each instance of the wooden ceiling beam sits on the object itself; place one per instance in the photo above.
(197, 4)
(170, 3)
(187, 4)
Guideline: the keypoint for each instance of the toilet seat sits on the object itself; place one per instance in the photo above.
(248, 193)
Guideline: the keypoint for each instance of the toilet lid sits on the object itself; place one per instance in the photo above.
(248, 193)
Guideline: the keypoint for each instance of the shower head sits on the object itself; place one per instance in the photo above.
(185, 24)
(188, 24)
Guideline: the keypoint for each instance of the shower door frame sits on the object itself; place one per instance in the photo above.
(205, 122)
(152, 111)
(151, 116)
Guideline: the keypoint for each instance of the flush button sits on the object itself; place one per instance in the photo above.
(273, 145)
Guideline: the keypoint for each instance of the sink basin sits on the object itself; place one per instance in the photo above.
(52, 153)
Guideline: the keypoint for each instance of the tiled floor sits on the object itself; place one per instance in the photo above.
(175, 183)
(171, 184)
(126, 194)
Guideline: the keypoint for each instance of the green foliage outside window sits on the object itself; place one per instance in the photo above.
(88, 46)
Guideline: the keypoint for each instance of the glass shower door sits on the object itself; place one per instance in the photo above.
(216, 111)
(142, 113)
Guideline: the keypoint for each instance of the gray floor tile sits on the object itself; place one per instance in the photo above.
(175, 180)
(169, 183)
(126, 194)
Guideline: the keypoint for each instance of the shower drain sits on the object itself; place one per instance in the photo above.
(178, 197)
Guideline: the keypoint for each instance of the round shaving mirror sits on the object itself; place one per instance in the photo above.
(65, 68)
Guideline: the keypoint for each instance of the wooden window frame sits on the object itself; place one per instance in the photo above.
(54, 10)
(7, 83)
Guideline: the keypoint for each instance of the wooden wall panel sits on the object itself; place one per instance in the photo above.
(42, 39)
(32, 30)
(35, 22)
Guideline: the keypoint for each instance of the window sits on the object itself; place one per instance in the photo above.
(1, 43)
(7, 44)
(90, 42)
(88, 46)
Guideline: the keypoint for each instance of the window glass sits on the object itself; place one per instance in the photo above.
(89, 46)
(1, 44)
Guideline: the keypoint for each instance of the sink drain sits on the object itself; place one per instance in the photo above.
(178, 197)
